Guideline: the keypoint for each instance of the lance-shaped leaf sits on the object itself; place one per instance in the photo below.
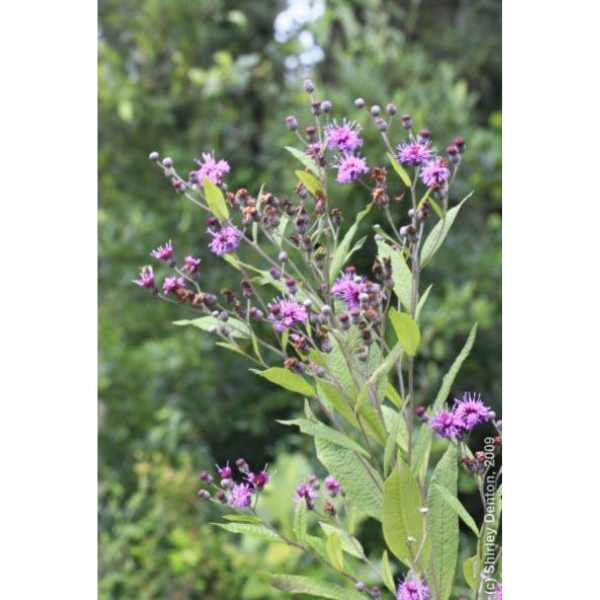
(308, 162)
(472, 572)
(334, 551)
(350, 544)
(407, 331)
(456, 505)
(215, 200)
(310, 182)
(402, 517)
(401, 274)
(438, 234)
(450, 376)
(288, 380)
(298, 584)
(386, 571)
(342, 253)
(400, 170)
(237, 328)
(443, 523)
(361, 485)
(379, 377)
(320, 430)
(390, 445)
(420, 458)
(242, 518)
(300, 521)
(251, 529)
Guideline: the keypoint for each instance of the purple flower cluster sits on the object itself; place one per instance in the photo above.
(225, 240)
(210, 168)
(465, 415)
(171, 284)
(435, 172)
(146, 279)
(307, 494)
(414, 153)
(412, 589)
(285, 313)
(332, 486)
(353, 289)
(343, 137)
(163, 252)
(350, 168)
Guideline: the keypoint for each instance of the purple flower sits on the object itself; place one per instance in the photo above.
(146, 279)
(241, 495)
(499, 592)
(211, 169)
(286, 313)
(171, 284)
(306, 493)
(414, 153)
(259, 480)
(344, 137)
(332, 485)
(435, 172)
(163, 252)
(226, 240)
(471, 410)
(350, 168)
(224, 472)
(192, 265)
(447, 425)
(412, 589)
(348, 288)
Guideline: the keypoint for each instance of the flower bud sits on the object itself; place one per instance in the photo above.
(292, 123)
(325, 309)
(241, 464)
(326, 106)
(375, 110)
(275, 273)
(316, 108)
(283, 256)
(424, 135)
(153, 156)
(420, 411)
(311, 134)
(308, 86)
(391, 109)
(406, 121)
(360, 586)
(460, 143)
(381, 124)
(226, 483)
(375, 592)
(203, 494)
(168, 162)
(222, 496)
(359, 103)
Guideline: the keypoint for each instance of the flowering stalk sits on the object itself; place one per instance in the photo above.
(320, 329)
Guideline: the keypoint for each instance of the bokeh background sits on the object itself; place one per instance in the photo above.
(186, 76)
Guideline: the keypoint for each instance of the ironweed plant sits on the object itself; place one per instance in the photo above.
(347, 343)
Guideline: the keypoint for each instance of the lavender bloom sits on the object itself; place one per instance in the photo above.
(306, 493)
(332, 485)
(414, 153)
(435, 172)
(285, 313)
(412, 589)
(163, 252)
(348, 288)
(224, 472)
(350, 168)
(471, 410)
(259, 480)
(499, 592)
(192, 265)
(344, 137)
(447, 425)
(226, 240)
(211, 169)
(171, 284)
(146, 279)
(241, 495)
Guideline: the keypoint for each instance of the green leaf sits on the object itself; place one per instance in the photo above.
(308, 162)
(400, 170)
(438, 234)
(389, 415)
(420, 457)
(391, 442)
(443, 522)
(401, 274)
(310, 182)
(392, 394)
(288, 380)
(238, 328)
(401, 514)
(350, 544)
(298, 584)
(334, 551)
(386, 571)
(215, 200)
(422, 301)
(320, 430)
(342, 253)
(450, 376)
(347, 468)
(380, 376)
(407, 331)
(340, 370)
(300, 521)
(472, 571)
(457, 506)
(318, 545)
(242, 518)
(251, 529)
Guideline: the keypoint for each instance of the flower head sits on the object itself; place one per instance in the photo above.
(412, 589)
(350, 168)
(344, 137)
(146, 279)
(435, 172)
(225, 240)
(225, 472)
(211, 169)
(306, 493)
(471, 410)
(241, 495)
(446, 424)
(163, 252)
(414, 153)
(348, 289)
(499, 592)
(286, 313)
(259, 480)
(171, 284)
(332, 485)
(192, 265)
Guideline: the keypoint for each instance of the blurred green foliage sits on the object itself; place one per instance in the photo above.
(184, 77)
